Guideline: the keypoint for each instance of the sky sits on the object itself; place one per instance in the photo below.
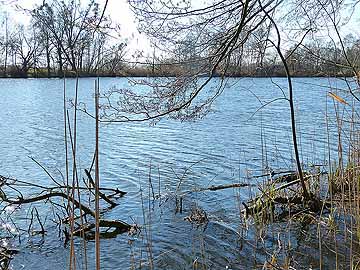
(118, 10)
(120, 13)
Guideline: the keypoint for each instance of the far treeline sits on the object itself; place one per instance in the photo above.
(67, 39)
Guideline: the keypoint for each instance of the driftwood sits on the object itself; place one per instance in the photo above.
(6, 255)
(102, 195)
(289, 179)
(267, 201)
(117, 227)
(286, 184)
(47, 196)
(114, 192)
(214, 188)
(113, 227)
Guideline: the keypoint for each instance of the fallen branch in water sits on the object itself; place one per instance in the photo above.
(15, 182)
(102, 195)
(118, 227)
(214, 188)
(283, 186)
(6, 256)
(49, 194)
(270, 196)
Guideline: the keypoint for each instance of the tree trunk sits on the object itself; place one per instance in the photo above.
(60, 62)
(6, 46)
(48, 57)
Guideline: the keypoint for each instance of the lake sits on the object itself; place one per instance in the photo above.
(230, 145)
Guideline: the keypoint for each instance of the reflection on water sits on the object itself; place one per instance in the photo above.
(230, 145)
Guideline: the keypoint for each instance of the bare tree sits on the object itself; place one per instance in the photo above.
(25, 49)
(113, 59)
(71, 29)
(6, 43)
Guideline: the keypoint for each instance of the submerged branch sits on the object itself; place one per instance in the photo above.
(47, 193)
(118, 227)
(219, 187)
(47, 196)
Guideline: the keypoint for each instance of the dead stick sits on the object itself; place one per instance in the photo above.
(214, 188)
(48, 196)
(102, 195)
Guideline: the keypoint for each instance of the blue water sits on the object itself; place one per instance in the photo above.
(229, 145)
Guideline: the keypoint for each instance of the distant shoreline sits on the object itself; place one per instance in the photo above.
(173, 76)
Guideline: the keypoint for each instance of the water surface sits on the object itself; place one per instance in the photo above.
(231, 144)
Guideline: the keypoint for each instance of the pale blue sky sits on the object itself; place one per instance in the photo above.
(120, 12)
